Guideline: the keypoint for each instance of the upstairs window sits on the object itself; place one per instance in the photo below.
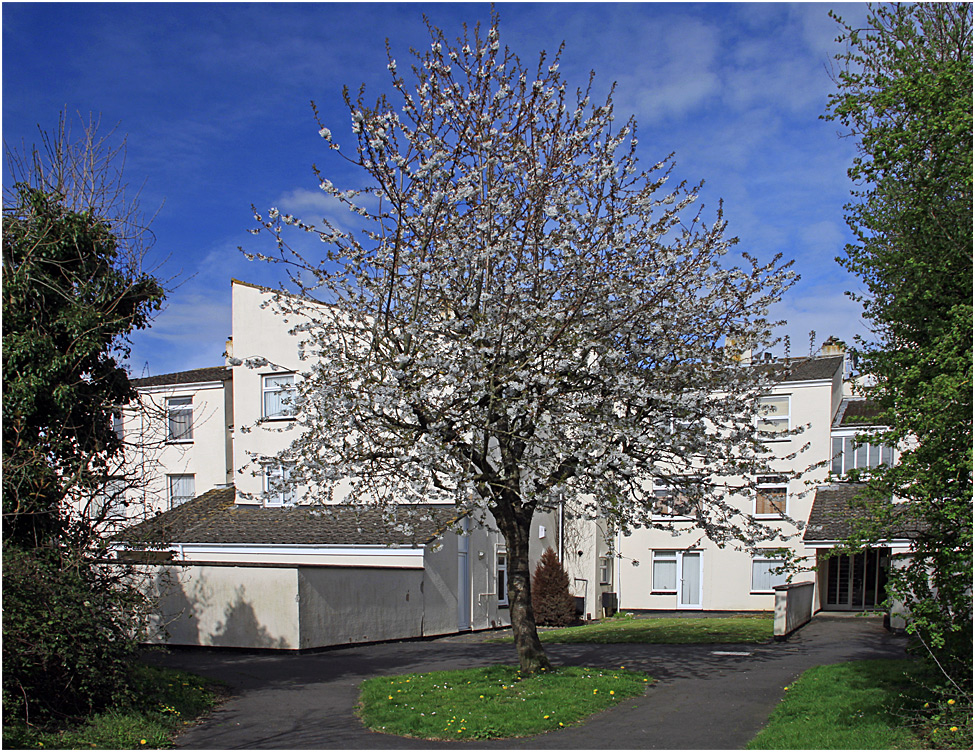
(180, 419)
(771, 496)
(278, 394)
(774, 416)
(182, 488)
(670, 501)
(605, 570)
(278, 488)
(847, 456)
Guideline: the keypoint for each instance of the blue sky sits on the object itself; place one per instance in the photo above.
(214, 100)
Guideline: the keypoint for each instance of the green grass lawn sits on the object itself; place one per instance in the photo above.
(167, 701)
(676, 631)
(861, 705)
(492, 703)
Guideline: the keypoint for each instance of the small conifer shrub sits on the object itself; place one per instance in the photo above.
(553, 604)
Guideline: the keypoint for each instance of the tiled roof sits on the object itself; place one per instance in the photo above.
(196, 376)
(215, 518)
(855, 413)
(833, 512)
(810, 369)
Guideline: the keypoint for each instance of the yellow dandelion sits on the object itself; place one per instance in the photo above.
(546, 717)
(482, 697)
(612, 692)
(390, 697)
(142, 741)
(561, 724)
(927, 704)
(951, 702)
(786, 689)
(595, 691)
(954, 728)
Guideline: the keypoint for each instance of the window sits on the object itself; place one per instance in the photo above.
(848, 457)
(670, 501)
(501, 568)
(605, 570)
(774, 414)
(771, 497)
(181, 489)
(118, 425)
(278, 393)
(180, 416)
(664, 572)
(765, 575)
(278, 489)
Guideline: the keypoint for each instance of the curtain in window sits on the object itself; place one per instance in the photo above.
(665, 572)
(180, 419)
(278, 389)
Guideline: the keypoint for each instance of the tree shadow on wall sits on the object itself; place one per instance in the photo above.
(241, 628)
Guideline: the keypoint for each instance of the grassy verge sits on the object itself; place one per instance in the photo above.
(165, 701)
(492, 703)
(878, 704)
(680, 631)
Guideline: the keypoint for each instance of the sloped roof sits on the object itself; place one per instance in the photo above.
(195, 376)
(854, 413)
(808, 369)
(214, 517)
(834, 512)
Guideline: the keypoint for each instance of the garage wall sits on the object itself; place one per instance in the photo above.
(342, 605)
(227, 606)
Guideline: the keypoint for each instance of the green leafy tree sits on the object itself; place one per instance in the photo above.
(905, 93)
(553, 604)
(72, 292)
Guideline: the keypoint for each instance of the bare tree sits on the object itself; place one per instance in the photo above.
(528, 315)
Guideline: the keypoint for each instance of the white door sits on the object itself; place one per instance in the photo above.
(690, 571)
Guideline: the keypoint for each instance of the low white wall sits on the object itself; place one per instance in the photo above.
(227, 606)
(793, 607)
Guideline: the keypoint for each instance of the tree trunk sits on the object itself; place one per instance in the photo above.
(531, 655)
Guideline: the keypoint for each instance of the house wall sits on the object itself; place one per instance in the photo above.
(726, 572)
(151, 458)
(237, 606)
(258, 332)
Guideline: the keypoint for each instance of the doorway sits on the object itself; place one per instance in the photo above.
(854, 582)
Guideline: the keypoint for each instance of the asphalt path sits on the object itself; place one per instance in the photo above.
(704, 696)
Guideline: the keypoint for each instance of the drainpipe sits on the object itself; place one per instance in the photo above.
(561, 532)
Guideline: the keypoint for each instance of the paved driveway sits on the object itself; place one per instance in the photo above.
(705, 697)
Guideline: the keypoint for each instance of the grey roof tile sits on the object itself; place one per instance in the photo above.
(195, 376)
(837, 506)
(214, 517)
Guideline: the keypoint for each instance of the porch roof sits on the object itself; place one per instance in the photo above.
(214, 517)
(835, 510)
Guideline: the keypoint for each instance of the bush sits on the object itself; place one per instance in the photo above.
(552, 603)
(68, 646)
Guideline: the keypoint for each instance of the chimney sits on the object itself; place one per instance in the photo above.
(229, 350)
(833, 346)
(743, 356)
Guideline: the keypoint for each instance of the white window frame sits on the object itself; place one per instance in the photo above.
(277, 497)
(501, 575)
(287, 411)
(171, 481)
(846, 457)
(772, 424)
(777, 579)
(606, 570)
(176, 406)
(770, 482)
(664, 556)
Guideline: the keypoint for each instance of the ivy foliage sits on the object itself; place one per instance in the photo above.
(905, 93)
(66, 310)
(69, 300)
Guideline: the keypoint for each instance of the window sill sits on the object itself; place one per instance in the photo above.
(768, 516)
(503, 606)
(761, 592)
(179, 441)
(663, 592)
